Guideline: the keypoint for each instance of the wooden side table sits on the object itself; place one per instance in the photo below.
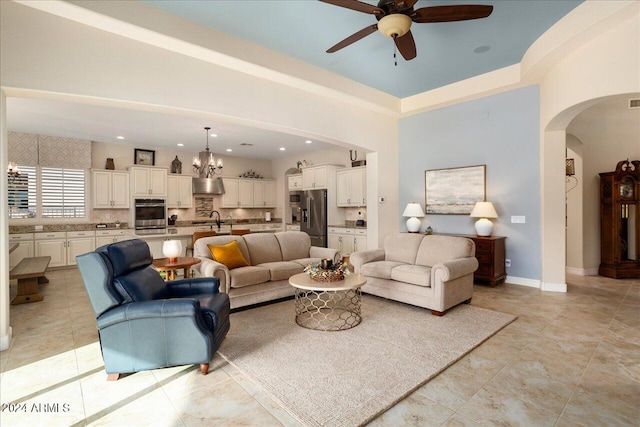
(491, 253)
(163, 264)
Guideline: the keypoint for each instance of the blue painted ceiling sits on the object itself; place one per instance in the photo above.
(305, 29)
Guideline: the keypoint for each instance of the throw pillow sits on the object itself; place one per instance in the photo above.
(229, 255)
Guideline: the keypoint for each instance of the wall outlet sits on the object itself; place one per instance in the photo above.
(507, 263)
(39, 228)
(519, 219)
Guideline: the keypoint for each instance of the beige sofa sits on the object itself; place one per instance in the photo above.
(273, 258)
(435, 272)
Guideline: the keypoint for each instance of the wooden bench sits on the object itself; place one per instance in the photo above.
(30, 273)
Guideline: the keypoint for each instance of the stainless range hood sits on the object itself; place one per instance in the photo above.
(208, 186)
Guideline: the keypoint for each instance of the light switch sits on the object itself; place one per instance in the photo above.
(518, 219)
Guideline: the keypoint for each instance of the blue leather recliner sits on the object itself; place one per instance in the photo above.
(145, 322)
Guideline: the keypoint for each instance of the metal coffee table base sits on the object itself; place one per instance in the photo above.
(328, 310)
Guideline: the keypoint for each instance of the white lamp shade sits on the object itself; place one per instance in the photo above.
(172, 248)
(484, 210)
(413, 209)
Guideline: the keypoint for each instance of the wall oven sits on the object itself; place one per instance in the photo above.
(150, 216)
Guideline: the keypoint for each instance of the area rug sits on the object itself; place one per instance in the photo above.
(347, 378)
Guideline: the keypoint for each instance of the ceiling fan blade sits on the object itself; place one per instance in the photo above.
(406, 45)
(461, 12)
(356, 5)
(354, 38)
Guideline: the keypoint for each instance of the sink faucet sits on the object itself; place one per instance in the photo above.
(218, 222)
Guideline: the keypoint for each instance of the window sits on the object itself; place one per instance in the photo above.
(62, 193)
(22, 193)
(48, 193)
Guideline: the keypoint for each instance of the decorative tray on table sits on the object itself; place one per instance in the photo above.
(327, 271)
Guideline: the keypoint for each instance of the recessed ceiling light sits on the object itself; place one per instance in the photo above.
(119, 137)
(308, 141)
(214, 135)
(229, 150)
(180, 145)
(482, 49)
(282, 148)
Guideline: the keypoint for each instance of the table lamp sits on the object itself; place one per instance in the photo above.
(413, 211)
(484, 210)
(172, 249)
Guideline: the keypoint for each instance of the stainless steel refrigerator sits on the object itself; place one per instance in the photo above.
(314, 216)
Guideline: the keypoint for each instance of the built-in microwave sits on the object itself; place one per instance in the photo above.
(150, 216)
(295, 198)
(295, 202)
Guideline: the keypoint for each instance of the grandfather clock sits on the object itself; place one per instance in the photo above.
(620, 221)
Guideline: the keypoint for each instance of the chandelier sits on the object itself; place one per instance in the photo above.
(13, 172)
(205, 164)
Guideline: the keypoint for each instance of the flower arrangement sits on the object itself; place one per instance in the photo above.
(332, 273)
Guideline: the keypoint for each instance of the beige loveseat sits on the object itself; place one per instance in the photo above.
(435, 272)
(272, 258)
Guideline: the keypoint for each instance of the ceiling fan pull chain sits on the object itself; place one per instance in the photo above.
(395, 58)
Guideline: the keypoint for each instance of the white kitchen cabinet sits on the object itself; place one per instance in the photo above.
(238, 193)
(179, 191)
(78, 243)
(25, 247)
(347, 240)
(63, 247)
(314, 178)
(359, 240)
(264, 194)
(230, 196)
(110, 190)
(52, 244)
(248, 193)
(351, 187)
(293, 227)
(295, 182)
(105, 237)
(245, 193)
(148, 182)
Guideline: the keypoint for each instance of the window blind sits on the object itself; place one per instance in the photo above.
(23, 193)
(63, 193)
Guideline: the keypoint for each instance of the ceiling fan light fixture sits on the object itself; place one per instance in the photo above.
(394, 25)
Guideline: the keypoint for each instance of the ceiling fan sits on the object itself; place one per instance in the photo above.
(396, 16)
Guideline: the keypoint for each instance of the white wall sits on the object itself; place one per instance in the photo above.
(605, 64)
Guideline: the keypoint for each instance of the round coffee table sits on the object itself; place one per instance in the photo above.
(163, 264)
(328, 306)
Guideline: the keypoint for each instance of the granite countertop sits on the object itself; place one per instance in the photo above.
(349, 224)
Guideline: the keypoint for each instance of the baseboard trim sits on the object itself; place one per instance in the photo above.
(532, 283)
(554, 287)
(5, 340)
(581, 271)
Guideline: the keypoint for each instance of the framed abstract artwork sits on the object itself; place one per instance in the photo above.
(454, 191)
(144, 157)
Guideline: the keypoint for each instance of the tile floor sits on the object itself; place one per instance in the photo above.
(569, 360)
